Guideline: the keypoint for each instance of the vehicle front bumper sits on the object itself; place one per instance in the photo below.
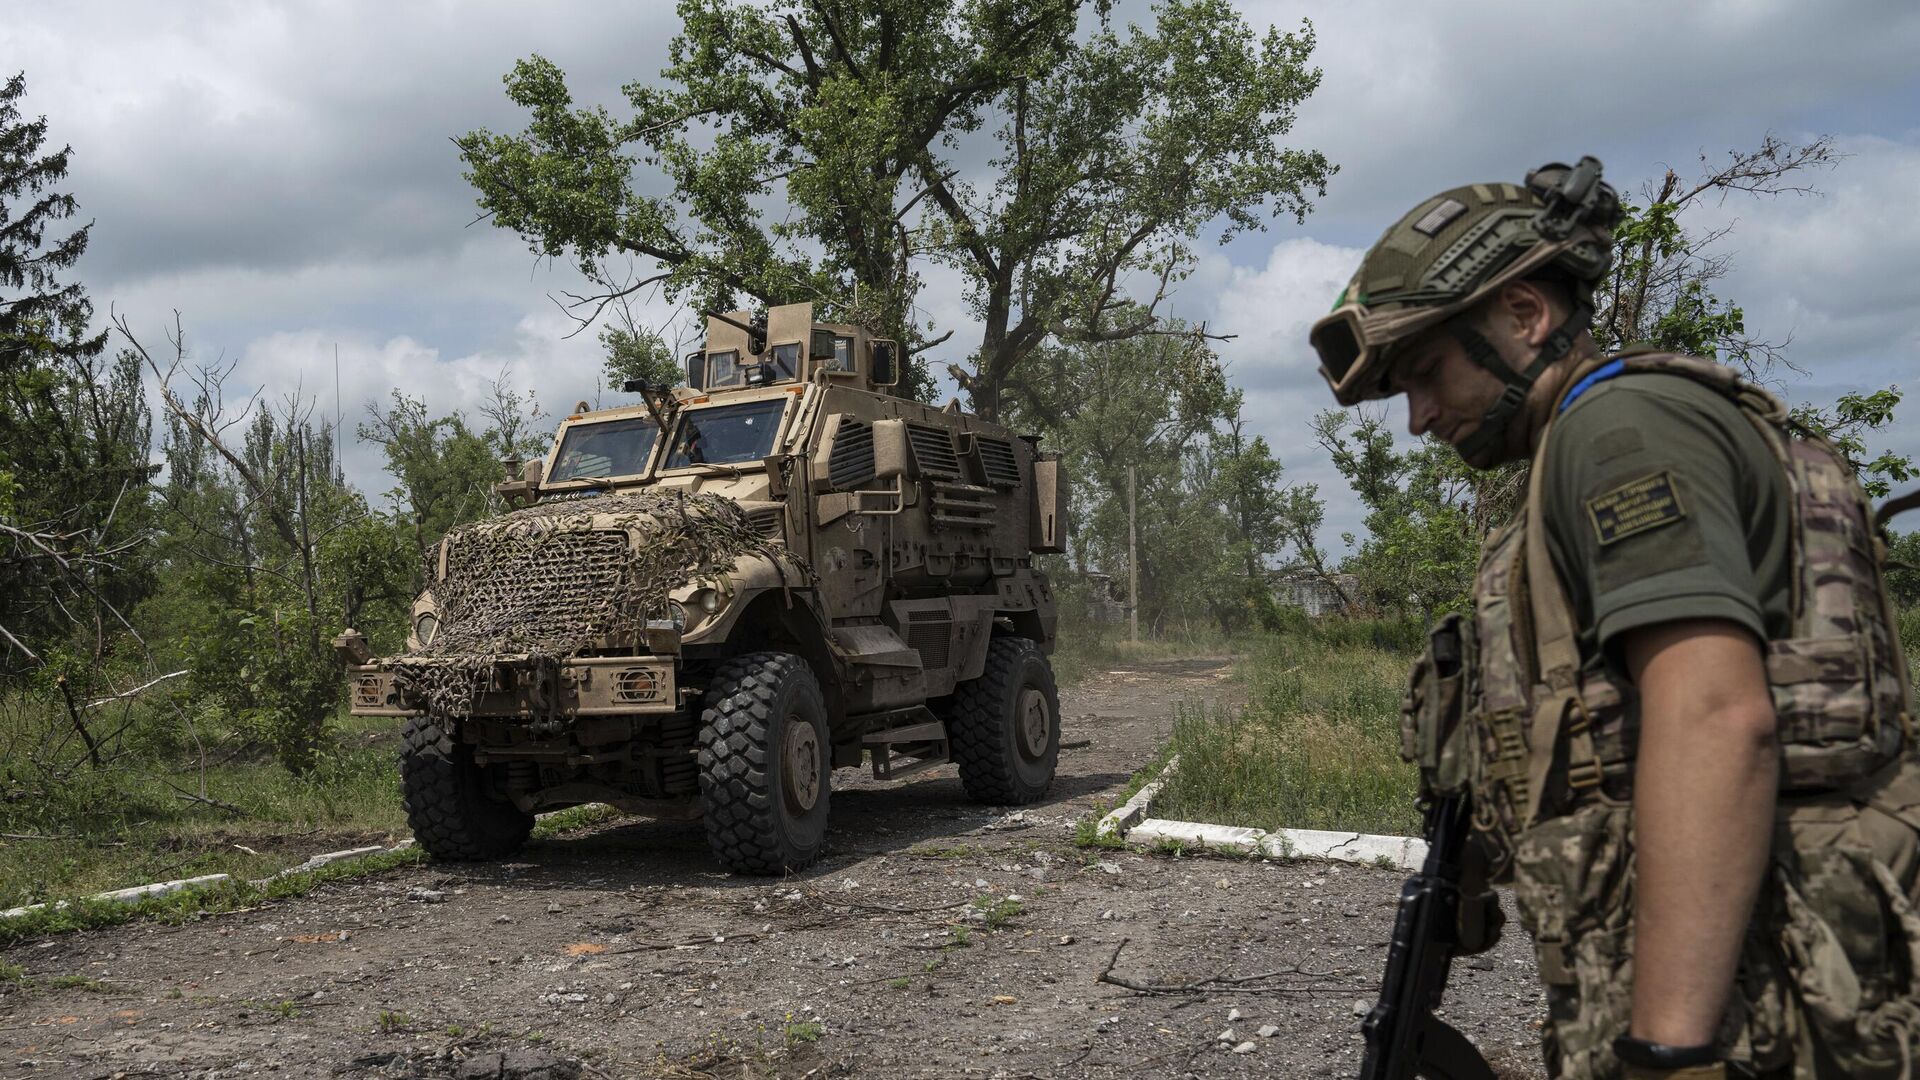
(512, 686)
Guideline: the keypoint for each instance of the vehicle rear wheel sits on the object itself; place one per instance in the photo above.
(765, 767)
(1005, 725)
(450, 805)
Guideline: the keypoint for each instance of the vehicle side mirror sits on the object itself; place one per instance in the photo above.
(697, 370)
(886, 367)
(892, 455)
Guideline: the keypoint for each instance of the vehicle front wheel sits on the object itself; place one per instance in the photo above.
(1005, 725)
(765, 767)
(450, 805)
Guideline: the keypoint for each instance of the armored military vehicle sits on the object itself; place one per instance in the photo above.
(707, 601)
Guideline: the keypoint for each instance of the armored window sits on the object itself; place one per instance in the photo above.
(842, 353)
(607, 448)
(786, 361)
(933, 451)
(726, 434)
(724, 368)
(851, 462)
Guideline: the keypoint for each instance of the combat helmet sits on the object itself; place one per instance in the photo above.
(1453, 251)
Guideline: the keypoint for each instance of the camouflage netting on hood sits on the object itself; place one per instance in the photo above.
(550, 581)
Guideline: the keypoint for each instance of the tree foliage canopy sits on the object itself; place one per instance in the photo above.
(826, 151)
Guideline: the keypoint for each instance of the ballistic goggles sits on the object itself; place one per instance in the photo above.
(1356, 341)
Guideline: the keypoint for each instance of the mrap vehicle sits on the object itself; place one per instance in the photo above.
(838, 574)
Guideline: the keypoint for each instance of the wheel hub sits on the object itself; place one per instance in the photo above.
(801, 757)
(1034, 722)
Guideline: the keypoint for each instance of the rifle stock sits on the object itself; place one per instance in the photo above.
(1404, 1039)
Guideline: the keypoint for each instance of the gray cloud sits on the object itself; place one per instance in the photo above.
(282, 176)
(249, 135)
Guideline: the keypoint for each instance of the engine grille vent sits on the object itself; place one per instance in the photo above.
(930, 633)
(851, 463)
(769, 523)
(933, 451)
(998, 465)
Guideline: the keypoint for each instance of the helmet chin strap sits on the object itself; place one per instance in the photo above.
(1490, 437)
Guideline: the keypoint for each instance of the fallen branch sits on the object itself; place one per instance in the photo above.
(135, 690)
(181, 793)
(79, 725)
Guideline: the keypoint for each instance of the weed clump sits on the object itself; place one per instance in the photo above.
(1317, 746)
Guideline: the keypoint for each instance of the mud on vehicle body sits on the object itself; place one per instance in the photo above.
(804, 572)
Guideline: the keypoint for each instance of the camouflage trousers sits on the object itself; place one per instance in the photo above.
(1829, 978)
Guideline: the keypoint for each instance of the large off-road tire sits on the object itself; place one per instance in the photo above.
(765, 772)
(453, 814)
(1005, 725)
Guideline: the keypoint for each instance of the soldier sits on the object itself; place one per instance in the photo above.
(1683, 719)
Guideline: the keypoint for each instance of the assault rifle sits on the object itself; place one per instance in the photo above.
(1404, 1038)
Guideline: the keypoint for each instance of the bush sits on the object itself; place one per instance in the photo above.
(1317, 745)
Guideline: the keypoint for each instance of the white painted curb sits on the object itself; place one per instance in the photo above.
(126, 896)
(1403, 852)
(1131, 823)
(331, 857)
(1130, 813)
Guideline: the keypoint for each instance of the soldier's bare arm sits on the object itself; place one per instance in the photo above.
(1703, 808)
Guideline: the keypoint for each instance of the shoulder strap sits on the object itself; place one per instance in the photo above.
(1556, 705)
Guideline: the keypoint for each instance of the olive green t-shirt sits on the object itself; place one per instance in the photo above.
(1664, 503)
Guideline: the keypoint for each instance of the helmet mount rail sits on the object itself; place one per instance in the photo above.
(1457, 249)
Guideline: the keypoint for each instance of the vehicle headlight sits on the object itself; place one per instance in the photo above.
(677, 614)
(711, 601)
(426, 627)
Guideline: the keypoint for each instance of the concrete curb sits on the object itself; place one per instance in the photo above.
(1130, 813)
(161, 888)
(1131, 823)
(1402, 852)
(125, 896)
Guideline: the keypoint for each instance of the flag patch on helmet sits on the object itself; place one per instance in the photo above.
(1436, 219)
(1635, 507)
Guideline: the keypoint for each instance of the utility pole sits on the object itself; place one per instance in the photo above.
(1133, 562)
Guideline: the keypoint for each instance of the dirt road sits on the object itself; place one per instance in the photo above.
(938, 939)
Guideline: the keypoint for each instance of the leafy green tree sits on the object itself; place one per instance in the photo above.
(825, 151)
(265, 556)
(444, 472)
(1853, 416)
(1421, 545)
(74, 428)
(639, 354)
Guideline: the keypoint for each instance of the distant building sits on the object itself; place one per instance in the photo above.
(1316, 595)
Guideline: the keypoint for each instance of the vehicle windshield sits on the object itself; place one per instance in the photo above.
(607, 448)
(726, 434)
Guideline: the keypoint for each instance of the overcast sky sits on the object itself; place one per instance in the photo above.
(282, 176)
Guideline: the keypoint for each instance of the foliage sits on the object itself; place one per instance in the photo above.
(1425, 513)
(1846, 424)
(444, 472)
(1106, 154)
(73, 426)
(1428, 514)
(1212, 515)
(1317, 745)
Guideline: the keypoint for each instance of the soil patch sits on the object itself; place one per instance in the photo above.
(938, 939)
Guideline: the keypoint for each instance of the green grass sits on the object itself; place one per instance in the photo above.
(1087, 649)
(1317, 745)
(77, 830)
